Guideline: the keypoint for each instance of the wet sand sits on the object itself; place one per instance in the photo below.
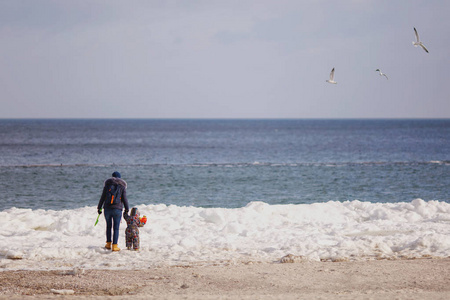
(377, 279)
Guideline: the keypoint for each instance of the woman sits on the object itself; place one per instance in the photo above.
(113, 198)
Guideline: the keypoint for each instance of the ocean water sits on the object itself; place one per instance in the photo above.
(225, 190)
(61, 164)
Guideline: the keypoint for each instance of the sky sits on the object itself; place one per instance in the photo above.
(223, 59)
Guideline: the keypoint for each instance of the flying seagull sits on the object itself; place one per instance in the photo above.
(331, 80)
(381, 73)
(418, 42)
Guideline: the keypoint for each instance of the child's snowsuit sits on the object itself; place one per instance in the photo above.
(132, 231)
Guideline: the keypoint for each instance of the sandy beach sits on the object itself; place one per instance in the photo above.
(377, 279)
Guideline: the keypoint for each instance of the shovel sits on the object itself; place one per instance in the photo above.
(97, 219)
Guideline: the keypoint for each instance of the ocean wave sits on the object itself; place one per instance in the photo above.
(235, 164)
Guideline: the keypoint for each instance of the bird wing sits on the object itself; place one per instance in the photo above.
(386, 76)
(332, 75)
(417, 35)
(423, 46)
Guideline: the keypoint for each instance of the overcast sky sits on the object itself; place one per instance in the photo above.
(223, 59)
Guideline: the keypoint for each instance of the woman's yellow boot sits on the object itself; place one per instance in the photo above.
(115, 247)
(108, 245)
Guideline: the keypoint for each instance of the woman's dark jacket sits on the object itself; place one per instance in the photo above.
(124, 200)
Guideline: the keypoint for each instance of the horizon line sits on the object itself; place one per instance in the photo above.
(226, 118)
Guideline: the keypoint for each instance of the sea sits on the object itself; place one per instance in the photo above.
(225, 190)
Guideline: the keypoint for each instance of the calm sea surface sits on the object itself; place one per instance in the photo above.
(61, 164)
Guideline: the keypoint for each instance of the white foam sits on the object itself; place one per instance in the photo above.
(47, 239)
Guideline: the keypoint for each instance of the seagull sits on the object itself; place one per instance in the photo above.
(331, 80)
(381, 73)
(418, 42)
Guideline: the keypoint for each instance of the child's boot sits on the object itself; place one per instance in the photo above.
(115, 247)
(108, 245)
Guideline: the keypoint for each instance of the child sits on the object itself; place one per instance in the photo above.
(132, 231)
